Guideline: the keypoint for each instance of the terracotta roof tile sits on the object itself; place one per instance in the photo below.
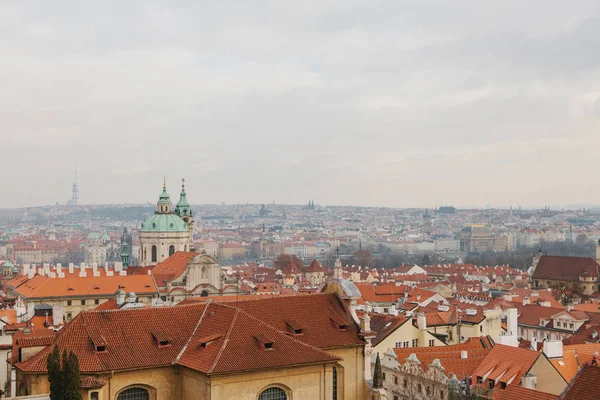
(450, 356)
(584, 386)
(565, 268)
(519, 393)
(508, 363)
(208, 337)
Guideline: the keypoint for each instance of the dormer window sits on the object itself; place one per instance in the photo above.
(162, 339)
(207, 340)
(100, 349)
(341, 323)
(295, 326)
(264, 342)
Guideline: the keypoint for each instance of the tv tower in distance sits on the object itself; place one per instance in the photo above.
(75, 195)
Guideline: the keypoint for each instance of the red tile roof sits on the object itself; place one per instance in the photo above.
(173, 267)
(519, 393)
(584, 386)
(41, 286)
(450, 356)
(130, 336)
(315, 267)
(565, 268)
(318, 329)
(506, 364)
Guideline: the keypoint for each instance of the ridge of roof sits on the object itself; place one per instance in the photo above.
(225, 341)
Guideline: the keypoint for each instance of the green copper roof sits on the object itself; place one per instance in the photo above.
(183, 207)
(164, 223)
(93, 235)
(164, 197)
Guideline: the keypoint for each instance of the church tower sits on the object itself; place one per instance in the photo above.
(124, 249)
(184, 211)
(166, 231)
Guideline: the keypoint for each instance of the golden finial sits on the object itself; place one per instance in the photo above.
(164, 182)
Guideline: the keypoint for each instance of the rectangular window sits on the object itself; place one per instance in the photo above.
(415, 343)
(431, 342)
(69, 316)
(406, 344)
(94, 396)
(384, 376)
(69, 302)
(83, 302)
(335, 384)
(96, 302)
(395, 380)
(398, 345)
(571, 326)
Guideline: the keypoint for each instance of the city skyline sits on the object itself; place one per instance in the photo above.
(397, 105)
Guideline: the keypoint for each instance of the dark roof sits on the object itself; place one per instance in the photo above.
(584, 386)
(384, 325)
(565, 268)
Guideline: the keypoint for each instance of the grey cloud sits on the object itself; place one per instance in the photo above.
(356, 102)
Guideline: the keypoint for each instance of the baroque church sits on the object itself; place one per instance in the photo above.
(168, 230)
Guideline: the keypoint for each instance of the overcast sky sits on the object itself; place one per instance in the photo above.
(385, 103)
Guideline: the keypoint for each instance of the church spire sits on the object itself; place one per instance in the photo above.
(183, 207)
(164, 201)
(124, 249)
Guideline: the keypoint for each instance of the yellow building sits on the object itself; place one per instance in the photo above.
(305, 347)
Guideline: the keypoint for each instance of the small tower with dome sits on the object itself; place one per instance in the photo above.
(166, 231)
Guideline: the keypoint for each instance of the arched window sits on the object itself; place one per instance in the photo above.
(204, 293)
(145, 255)
(171, 250)
(273, 393)
(136, 393)
(154, 258)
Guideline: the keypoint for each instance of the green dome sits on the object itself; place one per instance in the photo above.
(93, 235)
(164, 223)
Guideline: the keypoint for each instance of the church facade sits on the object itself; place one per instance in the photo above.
(167, 231)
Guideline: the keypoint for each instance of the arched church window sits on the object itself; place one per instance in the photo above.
(154, 257)
(273, 393)
(136, 393)
(171, 250)
(204, 293)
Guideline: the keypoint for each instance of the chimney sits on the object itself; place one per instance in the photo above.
(71, 268)
(120, 294)
(82, 272)
(131, 297)
(526, 300)
(529, 381)
(365, 323)
(25, 269)
(30, 273)
(534, 344)
(553, 348)
(418, 297)
(59, 268)
(422, 321)
(569, 306)
(511, 321)
(464, 354)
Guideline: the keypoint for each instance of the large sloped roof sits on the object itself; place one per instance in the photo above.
(565, 268)
(211, 338)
